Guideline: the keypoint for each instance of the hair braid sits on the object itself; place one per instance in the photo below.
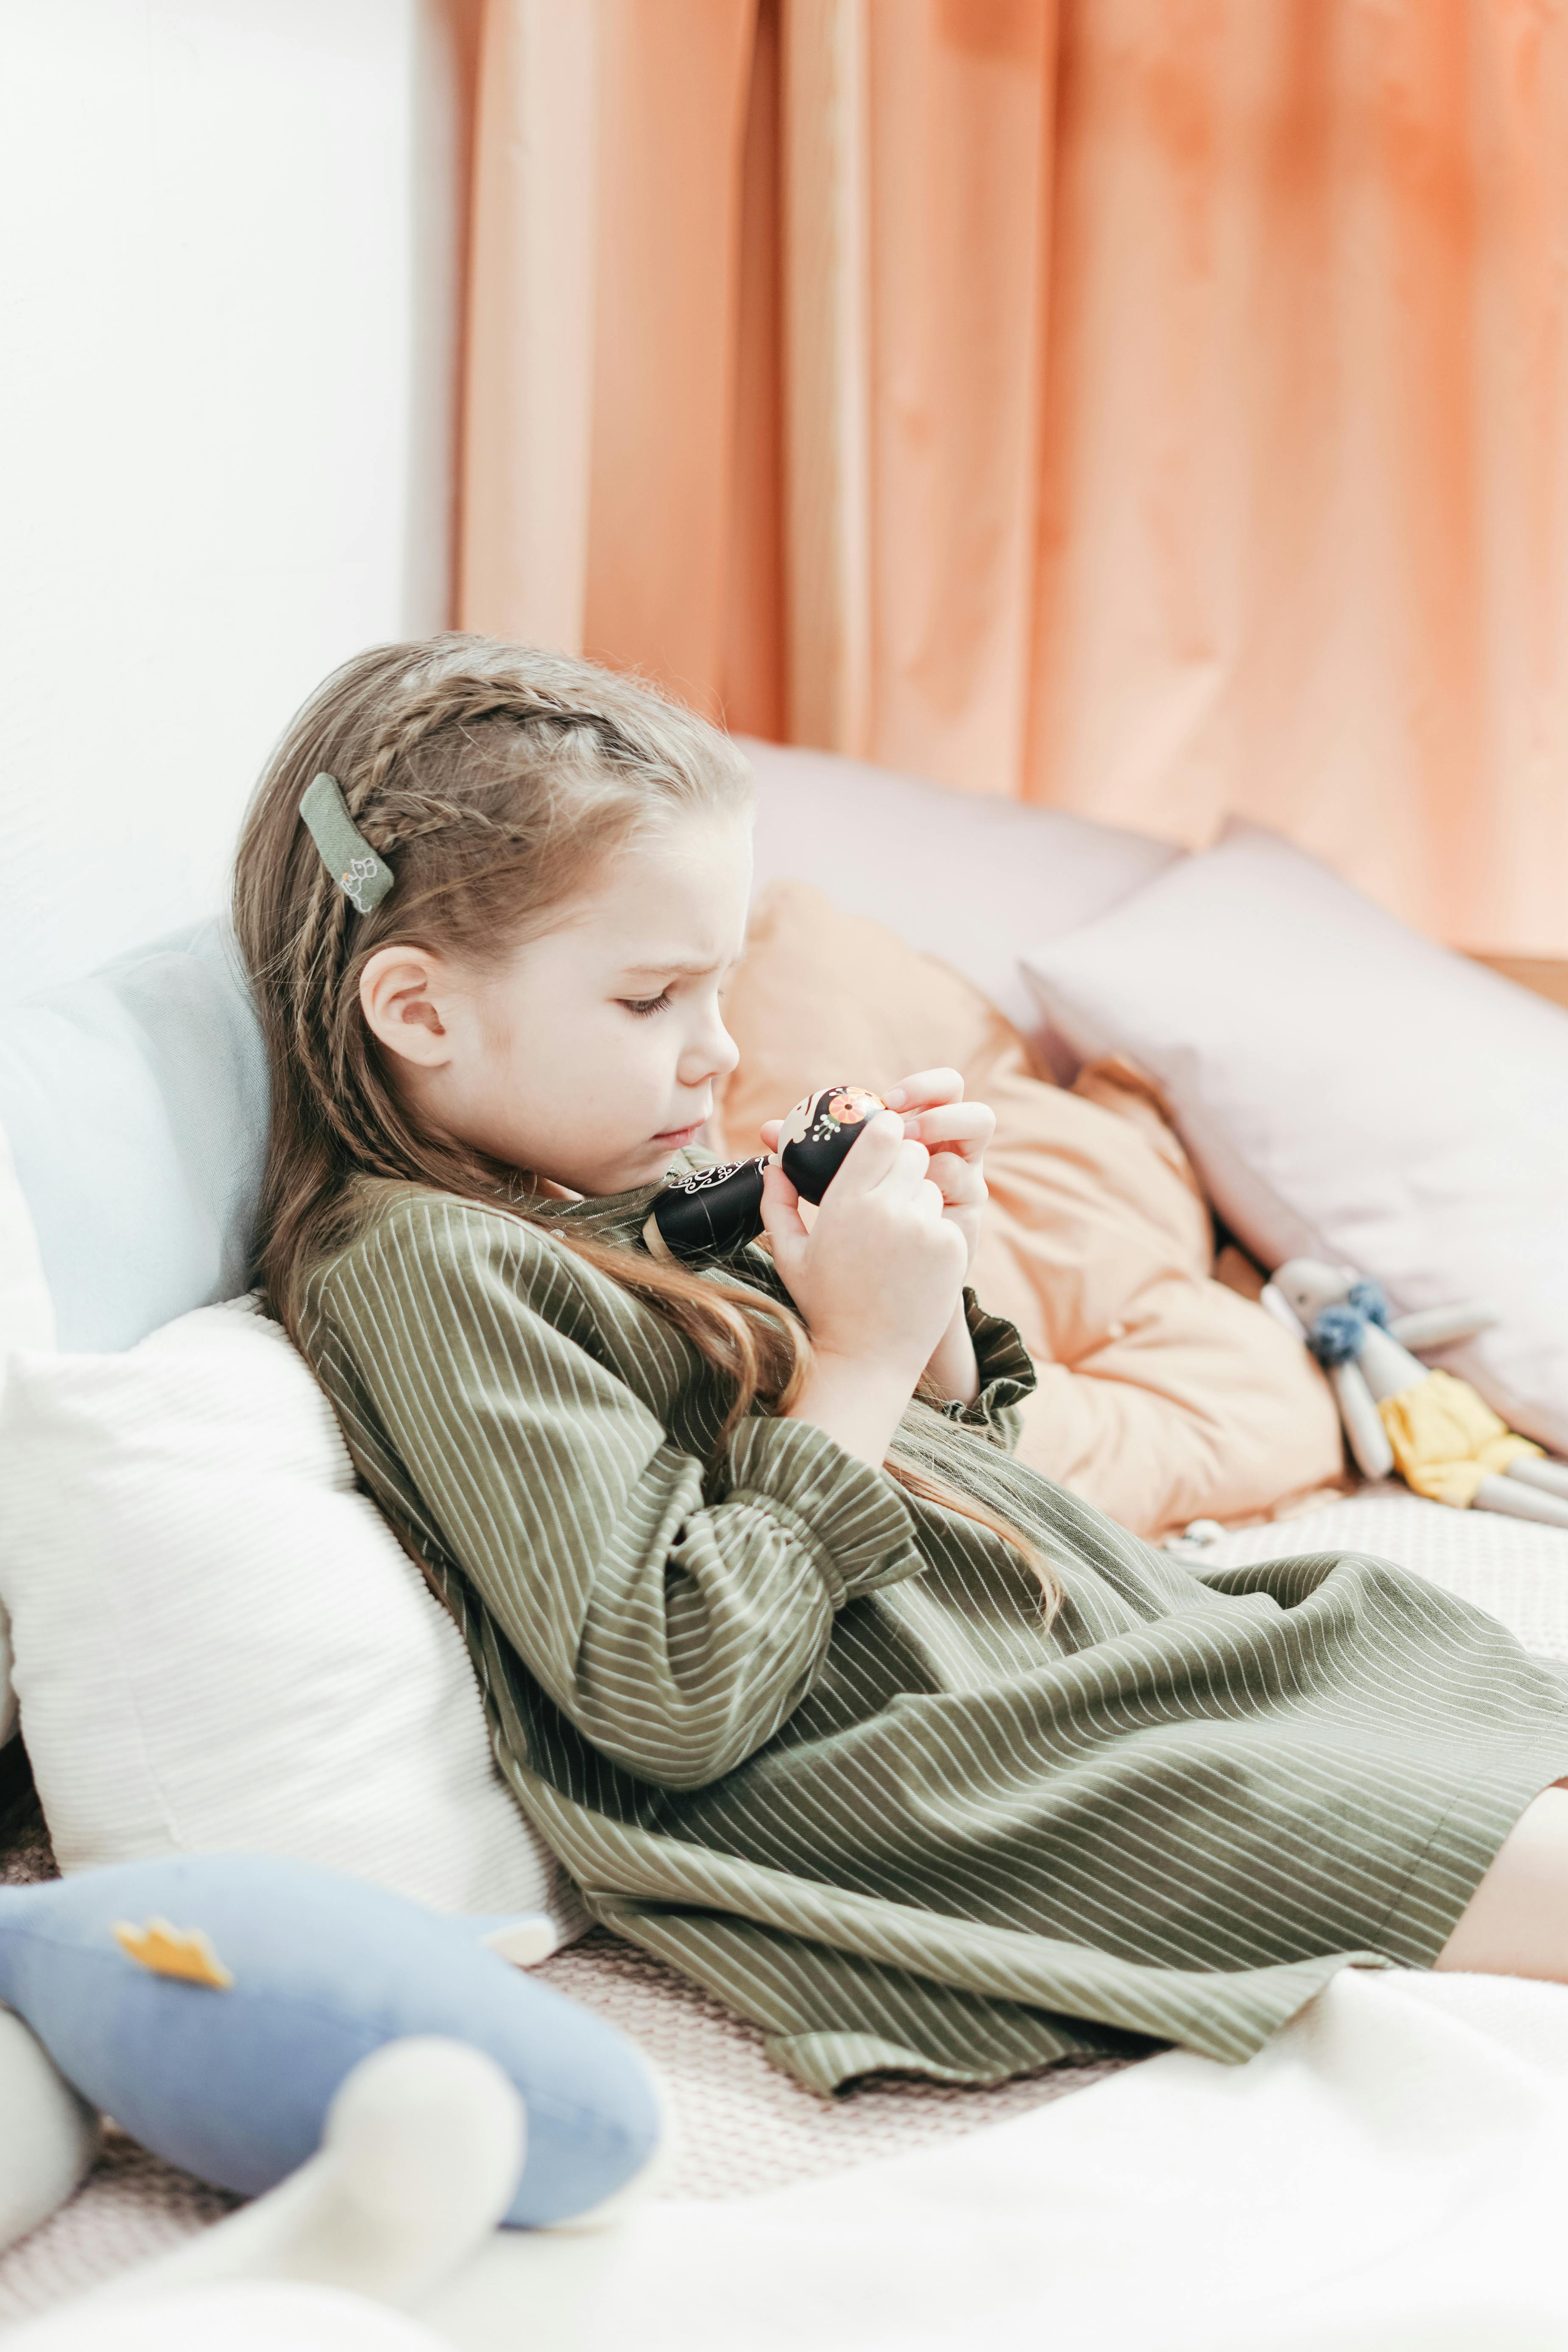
(397, 816)
(317, 954)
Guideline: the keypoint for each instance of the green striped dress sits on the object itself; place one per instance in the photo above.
(804, 1735)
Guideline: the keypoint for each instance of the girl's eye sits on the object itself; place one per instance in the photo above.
(643, 1005)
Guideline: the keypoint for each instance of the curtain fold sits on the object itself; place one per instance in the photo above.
(1153, 407)
(825, 128)
(528, 376)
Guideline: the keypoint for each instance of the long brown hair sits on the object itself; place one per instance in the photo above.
(500, 778)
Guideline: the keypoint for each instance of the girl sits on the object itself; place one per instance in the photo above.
(914, 1758)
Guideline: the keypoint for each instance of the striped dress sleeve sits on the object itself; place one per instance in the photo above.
(677, 1612)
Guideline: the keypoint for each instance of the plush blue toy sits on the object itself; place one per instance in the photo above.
(214, 2003)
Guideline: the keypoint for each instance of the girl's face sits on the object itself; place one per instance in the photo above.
(588, 1058)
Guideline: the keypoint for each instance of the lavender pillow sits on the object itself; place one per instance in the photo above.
(1349, 1091)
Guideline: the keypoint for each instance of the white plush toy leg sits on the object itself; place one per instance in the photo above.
(1551, 1477)
(49, 2136)
(1521, 1499)
(420, 2160)
(1368, 1439)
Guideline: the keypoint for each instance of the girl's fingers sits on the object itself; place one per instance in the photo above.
(907, 1173)
(769, 1132)
(959, 1181)
(928, 1202)
(781, 1220)
(925, 1089)
(967, 1127)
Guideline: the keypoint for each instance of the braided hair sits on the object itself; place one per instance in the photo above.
(500, 778)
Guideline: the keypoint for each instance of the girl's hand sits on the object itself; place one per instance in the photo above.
(954, 1132)
(879, 1273)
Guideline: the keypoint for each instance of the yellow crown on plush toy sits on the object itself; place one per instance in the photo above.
(169, 1951)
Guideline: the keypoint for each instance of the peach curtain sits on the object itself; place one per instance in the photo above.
(1155, 407)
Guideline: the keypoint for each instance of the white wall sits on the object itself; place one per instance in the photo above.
(228, 292)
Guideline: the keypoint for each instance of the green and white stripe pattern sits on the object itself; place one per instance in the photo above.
(804, 1736)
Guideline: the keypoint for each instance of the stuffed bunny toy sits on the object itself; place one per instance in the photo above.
(1398, 1413)
(224, 2008)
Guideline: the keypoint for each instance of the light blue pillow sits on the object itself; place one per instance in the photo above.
(135, 1103)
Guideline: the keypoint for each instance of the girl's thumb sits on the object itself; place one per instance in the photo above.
(872, 1153)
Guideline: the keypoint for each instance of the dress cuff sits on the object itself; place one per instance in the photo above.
(1006, 1375)
(851, 1516)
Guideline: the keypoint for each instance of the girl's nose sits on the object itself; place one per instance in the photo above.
(712, 1055)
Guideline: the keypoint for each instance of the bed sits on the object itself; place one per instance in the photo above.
(744, 2129)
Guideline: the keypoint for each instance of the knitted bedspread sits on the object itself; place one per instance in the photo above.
(742, 2126)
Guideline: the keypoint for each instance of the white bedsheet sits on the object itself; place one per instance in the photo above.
(1389, 2173)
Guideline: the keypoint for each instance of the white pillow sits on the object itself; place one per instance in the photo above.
(220, 1644)
(26, 1310)
(965, 875)
(27, 1321)
(1348, 1091)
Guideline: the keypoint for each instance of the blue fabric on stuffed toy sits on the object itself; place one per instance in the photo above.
(233, 2080)
(1339, 1333)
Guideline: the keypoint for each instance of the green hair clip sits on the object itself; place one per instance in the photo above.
(364, 878)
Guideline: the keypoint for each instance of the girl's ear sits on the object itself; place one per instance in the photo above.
(402, 991)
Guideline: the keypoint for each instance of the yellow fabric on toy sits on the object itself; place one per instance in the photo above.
(1446, 1440)
(184, 1952)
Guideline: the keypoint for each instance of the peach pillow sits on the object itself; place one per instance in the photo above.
(1163, 1396)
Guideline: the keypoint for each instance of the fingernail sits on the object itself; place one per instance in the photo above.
(899, 1095)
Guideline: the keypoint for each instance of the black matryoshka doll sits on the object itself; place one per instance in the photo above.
(717, 1210)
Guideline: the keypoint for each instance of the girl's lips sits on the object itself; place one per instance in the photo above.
(680, 1134)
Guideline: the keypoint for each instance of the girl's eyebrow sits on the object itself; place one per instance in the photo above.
(675, 967)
